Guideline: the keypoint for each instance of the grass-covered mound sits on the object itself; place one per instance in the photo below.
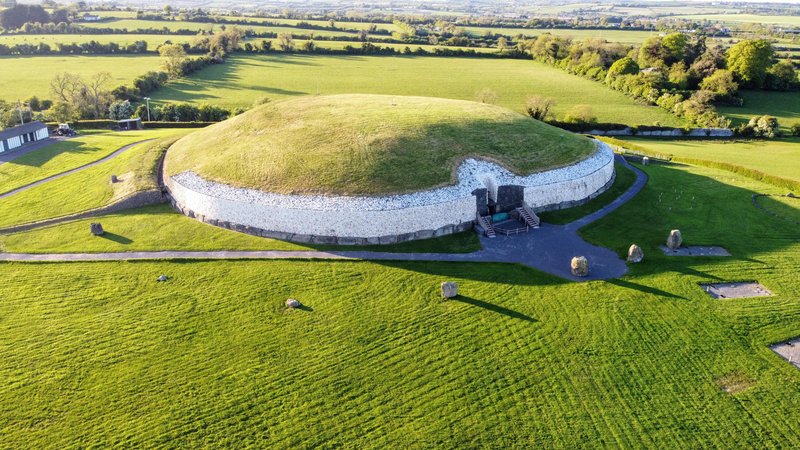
(368, 144)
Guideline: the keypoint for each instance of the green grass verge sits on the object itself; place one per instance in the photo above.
(62, 156)
(87, 189)
(368, 144)
(624, 180)
(774, 161)
(159, 228)
(40, 70)
(244, 78)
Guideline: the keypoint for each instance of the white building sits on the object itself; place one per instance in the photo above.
(18, 136)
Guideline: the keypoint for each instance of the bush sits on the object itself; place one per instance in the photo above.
(764, 126)
(580, 114)
(538, 107)
(795, 130)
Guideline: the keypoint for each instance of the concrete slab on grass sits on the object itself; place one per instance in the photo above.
(789, 351)
(748, 289)
(695, 251)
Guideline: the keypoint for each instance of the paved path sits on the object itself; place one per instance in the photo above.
(71, 171)
(549, 248)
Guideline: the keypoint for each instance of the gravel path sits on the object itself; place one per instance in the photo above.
(549, 248)
(71, 171)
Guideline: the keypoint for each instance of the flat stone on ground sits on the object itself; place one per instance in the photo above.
(736, 290)
(695, 251)
(789, 351)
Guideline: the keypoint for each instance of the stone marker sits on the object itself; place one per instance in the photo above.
(162, 278)
(292, 303)
(96, 229)
(635, 254)
(580, 266)
(674, 240)
(114, 179)
(645, 161)
(449, 289)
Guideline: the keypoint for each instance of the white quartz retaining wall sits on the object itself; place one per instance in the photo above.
(388, 219)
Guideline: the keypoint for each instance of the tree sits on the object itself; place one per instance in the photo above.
(120, 110)
(721, 83)
(538, 107)
(652, 53)
(18, 15)
(487, 96)
(285, 42)
(764, 126)
(502, 44)
(309, 46)
(749, 60)
(88, 99)
(405, 32)
(782, 76)
(173, 57)
(622, 66)
(678, 75)
(675, 46)
(580, 114)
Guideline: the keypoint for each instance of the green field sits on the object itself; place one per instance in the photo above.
(66, 155)
(623, 36)
(153, 40)
(87, 189)
(775, 157)
(245, 78)
(744, 18)
(783, 105)
(368, 145)
(39, 71)
(105, 355)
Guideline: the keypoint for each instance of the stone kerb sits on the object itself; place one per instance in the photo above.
(371, 220)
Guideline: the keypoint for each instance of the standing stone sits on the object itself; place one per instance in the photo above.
(449, 289)
(580, 266)
(635, 254)
(292, 303)
(645, 161)
(674, 240)
(114, 179)
(96, 229)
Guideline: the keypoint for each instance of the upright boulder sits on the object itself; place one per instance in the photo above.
(292, 303)
(580, 266)
(674, 240)
(645, 161)
(96, 229)
(449, 289)
(635, 254)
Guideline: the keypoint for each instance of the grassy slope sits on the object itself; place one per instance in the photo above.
(776, 157)
(376, 359)
(39, 71)
(62, 156)
(368, 144)
(88, 188)
(783, 105)
(159, 228)
(246, 78)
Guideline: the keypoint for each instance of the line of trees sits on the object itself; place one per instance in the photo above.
(676, 72)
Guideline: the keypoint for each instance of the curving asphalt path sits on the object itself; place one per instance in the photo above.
(71, 171)
(549, 248)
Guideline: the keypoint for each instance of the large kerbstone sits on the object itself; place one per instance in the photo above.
(635, 254)
(96, 229)
(675, 240)
(449, 289)
(580, 266)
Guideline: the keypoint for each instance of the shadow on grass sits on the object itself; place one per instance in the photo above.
(494, 308)
(642, 288)
(116, 238)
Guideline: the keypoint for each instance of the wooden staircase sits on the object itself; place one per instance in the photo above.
(527, 215)
(485, 222)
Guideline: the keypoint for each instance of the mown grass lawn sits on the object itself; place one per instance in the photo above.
(39, 72)
(244, 78)
(58, 157)
(158, 228)
(779, 157)
(102, 354)
(87, 189)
